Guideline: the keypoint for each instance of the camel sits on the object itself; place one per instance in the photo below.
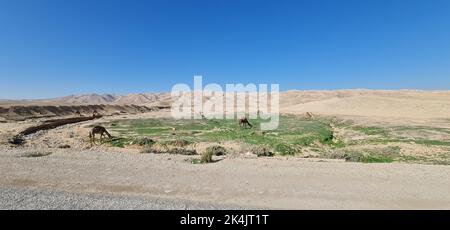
(244, 123)
(78, 114)
(98, 130)
(309, 116)
(95, 113)
(174, 131)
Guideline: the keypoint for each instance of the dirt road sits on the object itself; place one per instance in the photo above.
(280, 183)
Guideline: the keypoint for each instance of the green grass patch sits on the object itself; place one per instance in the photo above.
(371, 130)
(293, 133)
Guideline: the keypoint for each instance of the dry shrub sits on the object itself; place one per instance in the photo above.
(178, 143)
(171, 147)
(207, 156)
(145, 141)
(182, 151)
(262, 151)
(217, 150)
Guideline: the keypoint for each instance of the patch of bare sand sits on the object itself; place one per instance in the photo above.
(290, 183)
(372, 104)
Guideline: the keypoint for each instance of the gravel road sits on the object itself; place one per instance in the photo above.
(26, 199)
(85, 179)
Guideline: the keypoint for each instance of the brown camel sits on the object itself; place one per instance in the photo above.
(95, 113)
(309, 116)
(244, 123)
(98, 130)
(78, 114)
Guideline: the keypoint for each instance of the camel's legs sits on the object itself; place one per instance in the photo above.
(92, 137)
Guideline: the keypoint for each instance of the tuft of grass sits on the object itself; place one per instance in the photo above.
(368, 158)
(207, 156)
(195, 161)
(372, 130)
(182, 151)
(147, 149)
(145, 141)
(285, 149)
(120, 142)
(177, 143)
(171, 146)
(217, 150)
(385, 155)
(262, 151)
(371, 158)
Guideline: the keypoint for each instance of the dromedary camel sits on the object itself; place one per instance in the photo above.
(98, 130)
(244, 123)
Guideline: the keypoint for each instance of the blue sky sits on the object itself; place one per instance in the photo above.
(52, 48)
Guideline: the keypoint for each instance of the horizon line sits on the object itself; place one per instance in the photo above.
(281, 91)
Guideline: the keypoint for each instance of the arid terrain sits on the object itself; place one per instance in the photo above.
(346, 149)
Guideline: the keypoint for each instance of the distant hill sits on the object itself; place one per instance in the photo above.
(355, 102)
(96, 99)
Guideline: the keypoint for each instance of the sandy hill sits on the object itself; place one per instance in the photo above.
(87, 99)
(377, 103)
(373, 103)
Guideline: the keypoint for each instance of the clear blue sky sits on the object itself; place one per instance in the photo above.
(53, 48)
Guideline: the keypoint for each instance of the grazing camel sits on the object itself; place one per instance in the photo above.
(174, 131)
(95, 113)
(98, 130)
(309, 116)
(78, 114)
(244, 123)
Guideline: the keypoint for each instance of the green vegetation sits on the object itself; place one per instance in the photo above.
(170, 146)
(292, 134)
(207, 156)
(295, 135)
(262, 151)
(217, 150)
(372, 130)
(383, 155)
(375, 159)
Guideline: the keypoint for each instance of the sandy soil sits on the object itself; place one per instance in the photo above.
(278, 183)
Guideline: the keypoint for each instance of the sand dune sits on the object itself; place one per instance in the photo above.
(368, 103)
(401, 104)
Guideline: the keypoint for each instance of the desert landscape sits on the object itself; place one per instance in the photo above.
(340, 149)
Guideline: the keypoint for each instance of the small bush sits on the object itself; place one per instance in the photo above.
(147, 149)
(195, 161)
(163, 147)
(207, 156)
(285, 149)
(182, 151)
(117, 142)
(262, 151)
(145, 142)
(217, 150)
(177, 143)
(360, 157)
